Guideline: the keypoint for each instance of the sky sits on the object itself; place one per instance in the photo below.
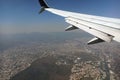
(21, 16)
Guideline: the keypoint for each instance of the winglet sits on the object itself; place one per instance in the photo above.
(43, 5)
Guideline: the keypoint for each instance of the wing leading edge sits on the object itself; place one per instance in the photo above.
(104, 29)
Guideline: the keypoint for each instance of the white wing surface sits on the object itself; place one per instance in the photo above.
(104, 29)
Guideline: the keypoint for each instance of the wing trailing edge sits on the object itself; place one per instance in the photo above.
(93, 31)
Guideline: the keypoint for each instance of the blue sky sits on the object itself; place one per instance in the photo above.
(21, 16)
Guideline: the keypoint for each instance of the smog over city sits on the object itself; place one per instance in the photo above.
(36, 46)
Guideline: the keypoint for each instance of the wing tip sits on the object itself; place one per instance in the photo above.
(43, 4)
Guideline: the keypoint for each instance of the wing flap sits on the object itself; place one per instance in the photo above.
(96, 26)
(104, 36)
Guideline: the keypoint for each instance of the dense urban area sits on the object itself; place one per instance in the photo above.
(58, 56)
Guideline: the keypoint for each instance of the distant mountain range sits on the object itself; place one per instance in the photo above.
(11, 40)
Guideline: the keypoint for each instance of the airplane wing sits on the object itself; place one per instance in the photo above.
(104, 29)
